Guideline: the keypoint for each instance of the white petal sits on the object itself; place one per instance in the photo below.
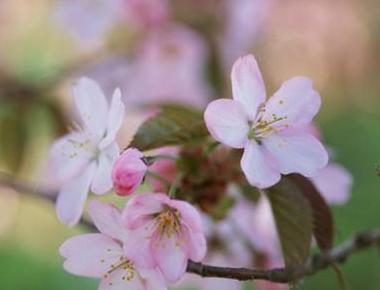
(258, 166)
(248, 85)
(67, 157)
(227, 122)
(115, 119)
(92, 106)
(103, 176)
(296, 101)
(153, 279)
(298, 153)
(90, 255)
(107, 218)
(72, 197)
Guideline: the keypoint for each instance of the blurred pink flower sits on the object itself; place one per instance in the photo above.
(128, 171)
(166, 168)
(169, 68)
(334, 182)
(83, 159)
(87, 20)
(164, 233)
(101, 255)
(146, 13)
(272, 134)
(243, 21)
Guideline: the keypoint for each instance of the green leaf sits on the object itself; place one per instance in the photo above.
(294, 221)
(323, 222)
(173, 125)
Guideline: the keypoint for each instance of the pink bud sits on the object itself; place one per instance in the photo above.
(128, 172)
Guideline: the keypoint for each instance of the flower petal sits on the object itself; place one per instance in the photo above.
(107, 218)
(115, 119)
(227, 122)
(72, 197)
(90, 255)
(92, 106)
(248, 85)
(67, 158)
(296, 101)
(170, 255)
(103, 176)
(139, 209)
(195, 243)
(138, 245)
(297, 153)
(189, 214)
(258, 166)
(334, 182)
(153, 279)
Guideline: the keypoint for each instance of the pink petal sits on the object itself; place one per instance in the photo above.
(334, 182)
(66, 159)
(153, 279)
(189, 214)
(139, 209)
(118, 280)
(138, 245)
(248, 85)
(103, 180)
(114, 119)
(107, 218)
(258, 166)
(298, 153)
(90, 255)
(227, 122)
(195, 243)
(72, 197)
(92, 106)
(170, 255)
(296, 101)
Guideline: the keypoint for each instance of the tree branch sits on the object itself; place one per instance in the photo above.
(285, 275)
(315, 264)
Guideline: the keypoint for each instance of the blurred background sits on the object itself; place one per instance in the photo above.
(182, 51)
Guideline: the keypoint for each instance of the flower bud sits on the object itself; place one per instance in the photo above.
(128, 172)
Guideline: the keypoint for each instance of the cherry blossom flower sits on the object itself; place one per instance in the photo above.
(334, 182)
(177, 54)
(272, 133)
(100, 255)
(164, 233)
(83, 159)
(128, 171)
(87, 20)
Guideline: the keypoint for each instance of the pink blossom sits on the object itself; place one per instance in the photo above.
(101, 255)
(243, 22)
(334, 182)
(164, 233)
(169, 68)
(146, 13)
(83, 159)
(87, 20)
(128, 171)
(271, 133)
(166, 168)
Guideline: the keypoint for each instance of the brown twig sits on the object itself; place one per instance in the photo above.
(315, 264)
(286, 275)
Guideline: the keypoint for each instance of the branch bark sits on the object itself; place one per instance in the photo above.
(315, 264)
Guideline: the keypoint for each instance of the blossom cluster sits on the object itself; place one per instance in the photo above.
(147, 245)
